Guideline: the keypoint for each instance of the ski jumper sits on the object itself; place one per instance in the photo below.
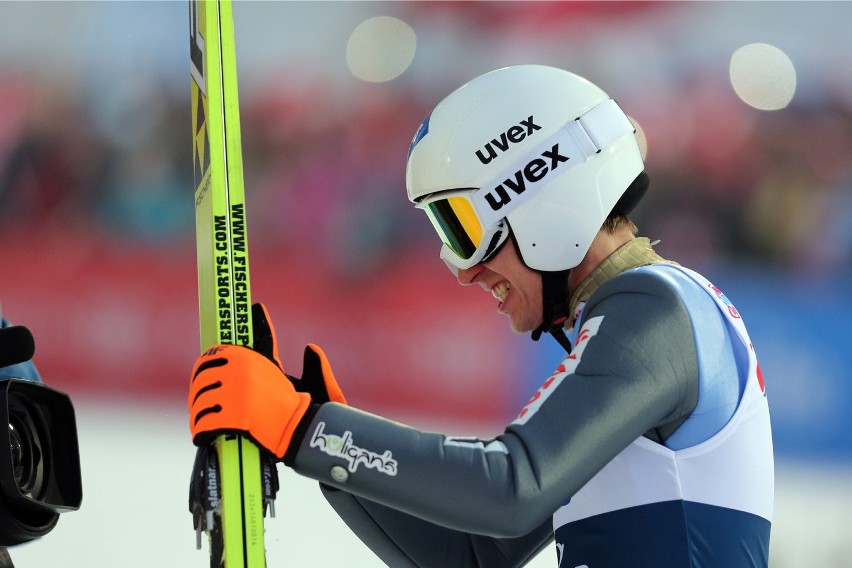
(648, 447)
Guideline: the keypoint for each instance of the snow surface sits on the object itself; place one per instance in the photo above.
(136, 461)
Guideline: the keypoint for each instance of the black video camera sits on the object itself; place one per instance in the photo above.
(39, 455)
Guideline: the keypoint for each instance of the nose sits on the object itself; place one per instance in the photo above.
(467, 276)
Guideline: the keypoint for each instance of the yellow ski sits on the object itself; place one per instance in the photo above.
(232, 483)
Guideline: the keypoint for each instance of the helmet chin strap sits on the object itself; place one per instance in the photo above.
(554, 299)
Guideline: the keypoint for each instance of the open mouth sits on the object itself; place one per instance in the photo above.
(500, 290)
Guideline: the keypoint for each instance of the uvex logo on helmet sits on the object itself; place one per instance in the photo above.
(513, 135)
(535, 171)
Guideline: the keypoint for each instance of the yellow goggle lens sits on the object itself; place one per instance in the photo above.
(457, 224)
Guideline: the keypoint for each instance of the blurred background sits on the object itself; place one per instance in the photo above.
(747, 111)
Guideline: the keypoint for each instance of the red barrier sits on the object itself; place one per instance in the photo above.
(119, 317)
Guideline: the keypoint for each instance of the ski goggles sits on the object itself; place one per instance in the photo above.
(472, 222)
(467, 241)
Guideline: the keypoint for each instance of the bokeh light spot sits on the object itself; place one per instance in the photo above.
(763, 76)
(380, 49)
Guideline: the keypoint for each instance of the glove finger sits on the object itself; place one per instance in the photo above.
(318, 368)
(210, 386)
(202, 382)
(202, 364)
(200, 406)
(311, 381)
(264, 338)
(240, 390)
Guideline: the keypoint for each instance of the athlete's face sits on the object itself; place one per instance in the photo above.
(516, 287)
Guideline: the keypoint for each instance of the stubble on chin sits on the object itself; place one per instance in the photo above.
(523, 326)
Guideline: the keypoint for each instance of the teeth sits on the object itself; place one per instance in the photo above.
(500, 290)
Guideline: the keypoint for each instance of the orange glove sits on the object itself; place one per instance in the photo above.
(317, 378)
(237, 389)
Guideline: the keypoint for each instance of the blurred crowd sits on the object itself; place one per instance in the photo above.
(325, 172)
(729, 182)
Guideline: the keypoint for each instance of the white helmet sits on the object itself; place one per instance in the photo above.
(538, 148)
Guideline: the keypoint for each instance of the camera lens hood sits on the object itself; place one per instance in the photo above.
(39, 460)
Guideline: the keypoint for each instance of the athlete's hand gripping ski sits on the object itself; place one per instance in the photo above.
(237, 389)
(317, 377)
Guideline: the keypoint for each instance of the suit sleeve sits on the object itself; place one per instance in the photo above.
(404, 541)
(637, 371)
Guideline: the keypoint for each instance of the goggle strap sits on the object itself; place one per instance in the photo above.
(496, 240)
(578, 140)
(605, 123)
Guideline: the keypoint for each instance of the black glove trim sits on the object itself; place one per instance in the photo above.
(299, 435)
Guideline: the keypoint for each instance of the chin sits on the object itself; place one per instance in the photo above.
(521, 328)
